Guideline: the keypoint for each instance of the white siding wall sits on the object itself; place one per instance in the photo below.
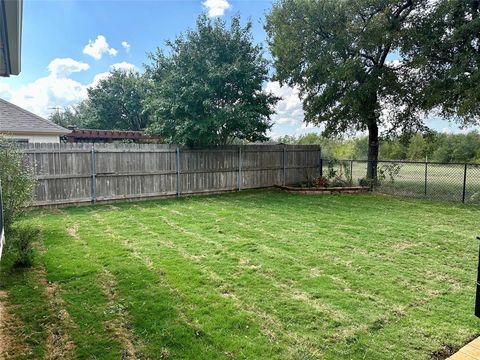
(36, 138)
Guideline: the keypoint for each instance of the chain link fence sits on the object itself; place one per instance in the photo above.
(459, 182)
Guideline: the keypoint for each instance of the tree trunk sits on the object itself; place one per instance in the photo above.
(372, 151)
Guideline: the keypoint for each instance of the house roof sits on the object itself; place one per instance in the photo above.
(14, 119)
(10, 36)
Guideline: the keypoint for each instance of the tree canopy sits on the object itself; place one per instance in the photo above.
(340, 54)
(115, 103)
(80, 115)
(445, 49)
(207, 90)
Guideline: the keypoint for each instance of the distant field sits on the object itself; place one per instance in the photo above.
(250, 275)
(444, 181)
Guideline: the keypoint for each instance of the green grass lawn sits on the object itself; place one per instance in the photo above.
(250, 275)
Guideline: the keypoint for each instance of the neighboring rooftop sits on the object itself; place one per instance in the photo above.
(14, 119)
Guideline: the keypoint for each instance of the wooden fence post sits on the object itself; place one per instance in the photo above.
(178, 170)
(239, 180)
(284, 164)
(94, 175)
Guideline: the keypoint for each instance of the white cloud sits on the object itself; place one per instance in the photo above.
(5, 90)
(123, 66)
(216, 7)
(126, 46)
(286, 121)
(99, 77)
(61, 67)
(289, 110)
(47, 92)
(97, 48)
(51, 91)
(289, 117)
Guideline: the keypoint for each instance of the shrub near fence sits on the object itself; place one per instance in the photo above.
(76, 173)
(442, 181)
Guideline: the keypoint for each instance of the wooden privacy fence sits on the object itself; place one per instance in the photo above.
(77, 173)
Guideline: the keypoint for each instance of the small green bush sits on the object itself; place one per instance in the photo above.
(391, 170)
(320, 182)
(20, 244)
(17, 181)
(371, 183)
(338, 182)
(475, 198)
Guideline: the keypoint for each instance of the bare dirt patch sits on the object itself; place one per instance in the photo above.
(119, 324)
(9, 346)
(448, 350)
(73, 232)
(404, 245)
(59, 343)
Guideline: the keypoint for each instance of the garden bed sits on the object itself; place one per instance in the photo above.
(324, 190)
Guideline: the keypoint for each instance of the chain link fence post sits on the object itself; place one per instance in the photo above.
(464, 192)
(426, 177)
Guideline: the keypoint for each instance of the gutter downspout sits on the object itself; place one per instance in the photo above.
(4, 38)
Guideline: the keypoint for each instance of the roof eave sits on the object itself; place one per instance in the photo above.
(33, 132)
(11, 31)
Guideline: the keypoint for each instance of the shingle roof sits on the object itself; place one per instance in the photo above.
(14, 119)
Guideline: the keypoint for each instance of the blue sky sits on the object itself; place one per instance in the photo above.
(68, 45)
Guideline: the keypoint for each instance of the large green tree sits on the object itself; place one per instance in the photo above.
(80, 115)
(117, 101)
(445, 48)
(208, 88)
(340, 55)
